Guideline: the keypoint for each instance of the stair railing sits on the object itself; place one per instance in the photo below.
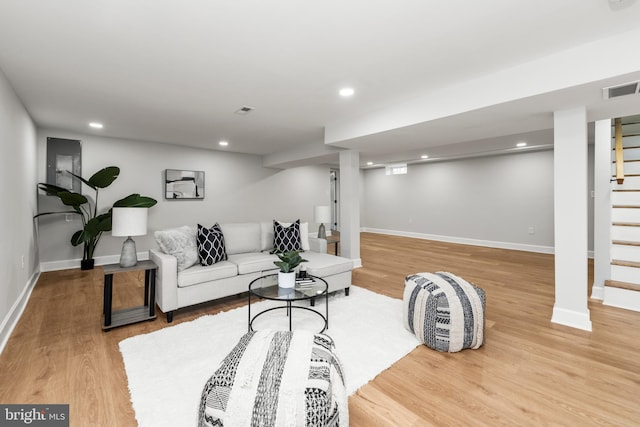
(619, 151)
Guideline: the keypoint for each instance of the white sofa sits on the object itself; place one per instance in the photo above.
(247, 247)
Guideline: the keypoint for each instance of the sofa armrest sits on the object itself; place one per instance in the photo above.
(166, 280)
(318, 245)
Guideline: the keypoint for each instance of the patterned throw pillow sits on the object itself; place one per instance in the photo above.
(211, 245)
(286, 238)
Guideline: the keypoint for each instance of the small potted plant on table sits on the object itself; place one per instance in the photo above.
(288, 262)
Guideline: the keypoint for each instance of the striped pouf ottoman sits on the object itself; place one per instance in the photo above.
(444, 311)
(277, 378)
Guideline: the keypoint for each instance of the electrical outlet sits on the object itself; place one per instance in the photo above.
(532, 230)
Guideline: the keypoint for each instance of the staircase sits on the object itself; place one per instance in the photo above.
(623, 288)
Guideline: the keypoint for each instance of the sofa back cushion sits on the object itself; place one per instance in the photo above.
(241, 238)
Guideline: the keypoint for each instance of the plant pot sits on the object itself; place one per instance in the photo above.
(287, 280)
(87, 264)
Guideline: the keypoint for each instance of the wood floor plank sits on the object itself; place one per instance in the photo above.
(529, 372)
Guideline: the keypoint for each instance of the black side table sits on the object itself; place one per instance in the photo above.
(133, 314)
(334, 239)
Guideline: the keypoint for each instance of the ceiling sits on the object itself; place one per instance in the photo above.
(176, 71)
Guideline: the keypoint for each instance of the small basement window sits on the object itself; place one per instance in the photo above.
(396, 169)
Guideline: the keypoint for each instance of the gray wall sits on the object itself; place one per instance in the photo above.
(18, 195)
(485, 200)
(237, 188)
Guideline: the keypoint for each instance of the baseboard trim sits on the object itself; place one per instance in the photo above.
(357, 263)
(463, 240)
(75, 263)
(597, 292)
(621, 298)
(15, 313)
(571, 318)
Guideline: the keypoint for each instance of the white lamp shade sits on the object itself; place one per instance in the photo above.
(322, 214)
(129, 222)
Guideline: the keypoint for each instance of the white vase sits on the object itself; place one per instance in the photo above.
(286, 280)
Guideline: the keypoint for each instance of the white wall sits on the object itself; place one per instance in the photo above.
(18, 252)
(237, 188)
(486, 200)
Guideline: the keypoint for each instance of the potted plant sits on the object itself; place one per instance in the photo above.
(93, 224)
(287, 264)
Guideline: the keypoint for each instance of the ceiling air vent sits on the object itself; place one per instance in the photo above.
(244, 110)
(621, 90)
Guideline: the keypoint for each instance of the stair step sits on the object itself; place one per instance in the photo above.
(622, 285)
(622, 263)
(625, 242)
(628, 146)
(627, 224)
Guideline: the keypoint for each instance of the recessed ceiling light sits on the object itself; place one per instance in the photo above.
(521, 144)
(223, 143)
(369, 163)
(347, 91)
(96, 125)
(424, 156)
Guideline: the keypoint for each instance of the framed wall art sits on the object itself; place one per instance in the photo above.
(183, 184)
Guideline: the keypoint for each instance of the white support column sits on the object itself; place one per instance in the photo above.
(570, 215)
(602, 208)
(350, 206)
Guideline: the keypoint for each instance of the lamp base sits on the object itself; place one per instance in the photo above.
(129, 256)
(322, 234)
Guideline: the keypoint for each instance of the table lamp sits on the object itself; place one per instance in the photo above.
(322, 215)
(128, 222)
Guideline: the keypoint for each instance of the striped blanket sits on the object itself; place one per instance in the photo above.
(277, 378)
(444, 311)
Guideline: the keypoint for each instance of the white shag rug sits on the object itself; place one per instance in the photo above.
(167, 369)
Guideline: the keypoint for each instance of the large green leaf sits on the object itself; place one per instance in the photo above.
(72, 199)
(93, 226)
(101, 179)
(79, 237)
(50, 189)
(53, 213)
(104, 177)
(135, 201)
(104, 222)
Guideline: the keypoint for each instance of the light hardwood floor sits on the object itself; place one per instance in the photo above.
(529, 372)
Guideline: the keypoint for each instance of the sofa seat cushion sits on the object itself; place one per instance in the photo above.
(254, 262)
(206, 273)
(323, 265)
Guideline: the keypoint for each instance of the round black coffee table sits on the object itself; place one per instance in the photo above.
(266, 287)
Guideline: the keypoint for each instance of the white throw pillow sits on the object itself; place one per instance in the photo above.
(180, 242)
(267, 237)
